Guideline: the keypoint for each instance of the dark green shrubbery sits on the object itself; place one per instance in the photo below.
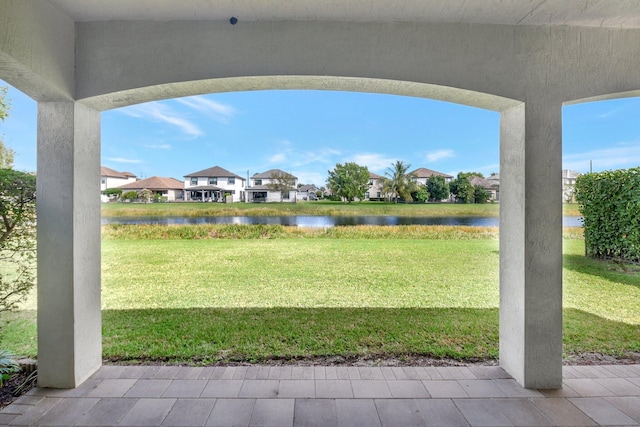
(610, 208)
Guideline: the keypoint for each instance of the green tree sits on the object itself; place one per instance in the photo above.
(282, 182)
(17, 236)
(399, 183)
(422, 195)
(349, 181)
(480, 195)
(438, 188)
(6, 153)
(462, 188)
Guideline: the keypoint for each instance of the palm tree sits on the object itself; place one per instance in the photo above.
(398, 182)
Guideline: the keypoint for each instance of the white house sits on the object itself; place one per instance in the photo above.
(307, 192)
(169, 188)
(423, 175)
(374, 192)
(213, 185)
(569, 185)
(261, 189)
(110, 178)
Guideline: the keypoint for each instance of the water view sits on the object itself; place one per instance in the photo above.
(323, 221)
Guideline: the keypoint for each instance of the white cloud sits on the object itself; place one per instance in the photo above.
(162, 113)
(158, 146)
(434, 156)
(123, 160)
(622, 155)
(278, 158)
(374, 161)
(317, 178)
(220, 112)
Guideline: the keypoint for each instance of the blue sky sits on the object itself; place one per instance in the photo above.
(307, 132)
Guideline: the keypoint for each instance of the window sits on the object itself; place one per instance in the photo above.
(232, 180)
(370, 182)
(285, 195)
(194, 181)
(257, 181)
(213, 181)
(366, 195)
(379, 194)
(103, 180)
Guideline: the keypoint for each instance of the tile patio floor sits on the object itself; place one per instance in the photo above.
(332, 396)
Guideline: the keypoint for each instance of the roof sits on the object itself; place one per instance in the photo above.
(426, 173)
(214, 172)
(595, 13)
(308, 187)
(482, 182)
(374, 175)
(265, 188)
(154, 183)
(204, 188)
(269, 174)
(105, 171)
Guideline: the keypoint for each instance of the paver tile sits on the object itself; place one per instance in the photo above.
(81, 391)
(411, 373)
(331, 373)
(6, 419)
(372, 389)
(148, 412)
(319, 373)
(148, 388)
(259, 388)
(273, 412)
(588, 387)
(512, 389)
(343, 373)
(240, 373)
(620, 386)
(440, 413)
(263, 373)
(489, 372)
(481, 388)
(302, 373)
(357, 413)
(218, 373)
(108, 411)
(334, 389)
(190, 373)
(354, 373)
(433, 373)
(482, 412)
(150, 372)
(444, 389)
(399, 373)
(422, 373)
(222, 388)
(135, 372)
(185, 388)
(189, 412)
(601, 411)
(388, 373)
(167, 372)
(562, 412)
(31, 415)
(522, 412)
(108, 371)
(315, 413)
(455, 373)
(629, 405)
(398, 412)
(231, 412)
(565, 391)
(280, 373)
(410, 389)
(112, 388)
(67, 412)
(297, 389)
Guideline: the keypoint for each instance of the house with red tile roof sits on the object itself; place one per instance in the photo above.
(169, 188)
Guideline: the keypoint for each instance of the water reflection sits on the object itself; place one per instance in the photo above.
(322, 221)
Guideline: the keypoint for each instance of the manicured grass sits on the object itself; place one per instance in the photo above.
(287, 296)
(308, 208)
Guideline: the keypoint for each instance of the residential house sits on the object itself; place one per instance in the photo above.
(261, 189)
(110, 178)
(423, 175)
(307, 192)
(374, 192)
(492, 186)
(569, 178)
(169, 188)
(214, 185)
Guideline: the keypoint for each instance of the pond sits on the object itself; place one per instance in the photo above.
(322, 221)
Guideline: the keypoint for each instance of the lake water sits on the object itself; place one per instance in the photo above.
(322, 221)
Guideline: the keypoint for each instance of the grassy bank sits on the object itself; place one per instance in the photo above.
(288, 296)
(196, 209)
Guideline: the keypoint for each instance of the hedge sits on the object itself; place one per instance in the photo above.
(610, 208)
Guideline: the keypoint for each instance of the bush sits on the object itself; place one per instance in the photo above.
(130, 195)
(609, 204)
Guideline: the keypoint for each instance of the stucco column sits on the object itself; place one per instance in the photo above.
(531, 243)
(68, 206)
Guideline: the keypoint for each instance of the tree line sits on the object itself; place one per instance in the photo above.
(350, 182)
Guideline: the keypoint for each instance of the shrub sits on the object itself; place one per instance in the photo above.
(609, 204)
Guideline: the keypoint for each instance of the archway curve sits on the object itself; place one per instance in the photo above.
(346, 84)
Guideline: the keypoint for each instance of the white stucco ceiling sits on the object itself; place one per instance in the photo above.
(592, 13)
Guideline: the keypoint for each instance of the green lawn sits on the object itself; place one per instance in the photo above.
(309, 208)
(291, 295)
